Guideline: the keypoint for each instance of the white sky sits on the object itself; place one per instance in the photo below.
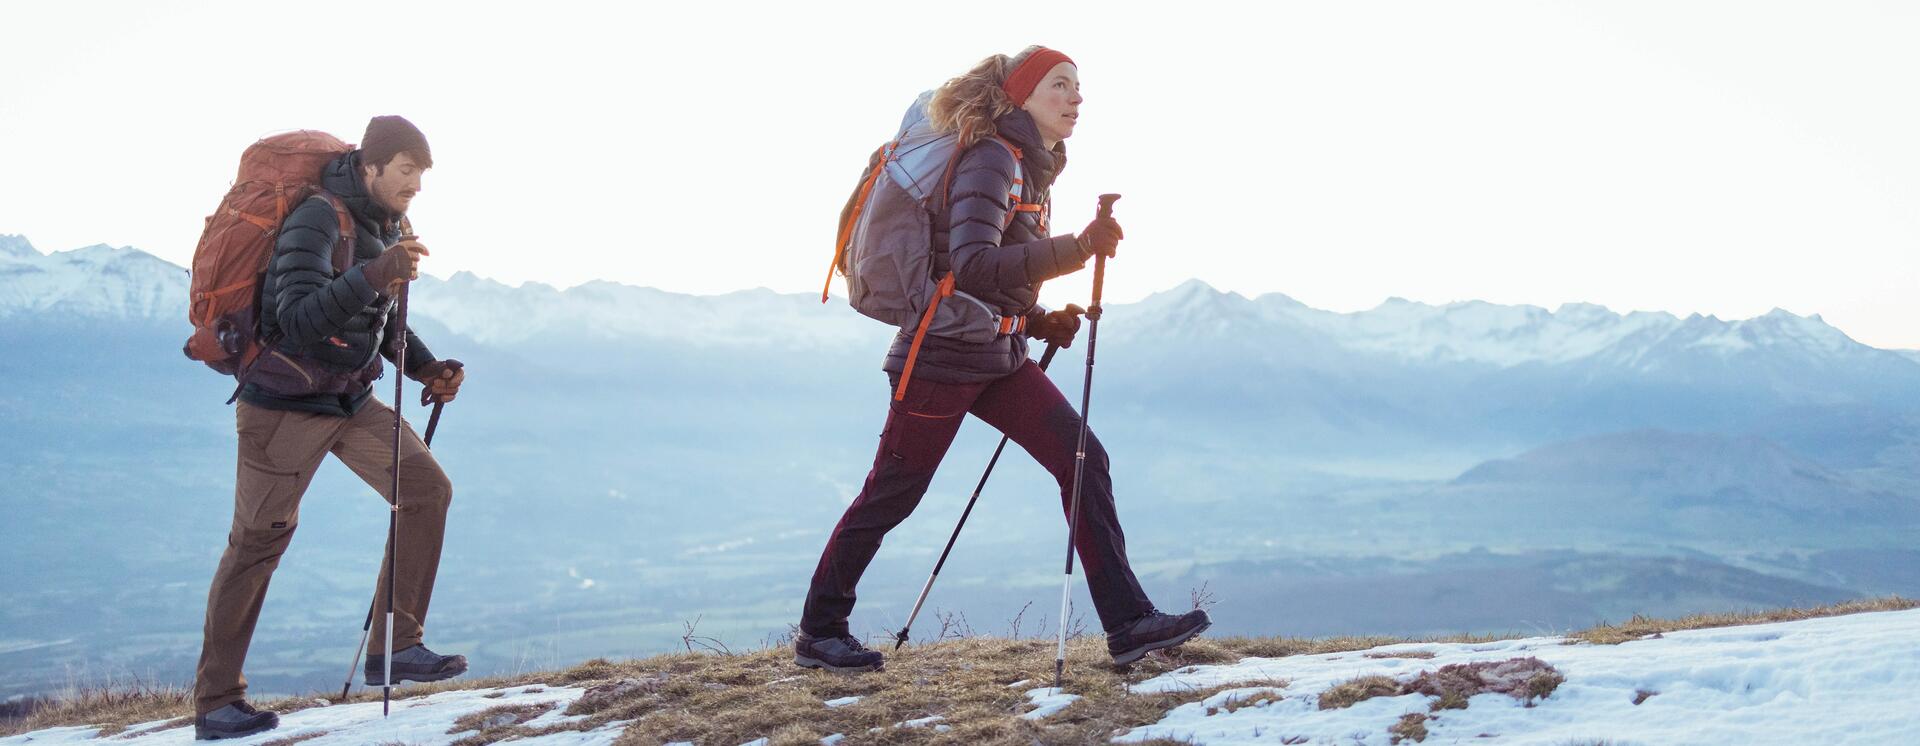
(1723, 158)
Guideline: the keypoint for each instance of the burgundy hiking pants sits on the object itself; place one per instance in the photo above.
(1027, 407)
(279, 453)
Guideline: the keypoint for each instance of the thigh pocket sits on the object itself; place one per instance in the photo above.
(939, 401)
(269, 499)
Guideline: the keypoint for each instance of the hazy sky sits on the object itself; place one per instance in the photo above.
(1722, 158)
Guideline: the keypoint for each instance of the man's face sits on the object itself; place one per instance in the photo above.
(393, 187)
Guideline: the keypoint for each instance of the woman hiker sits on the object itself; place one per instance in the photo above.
(1032, 102)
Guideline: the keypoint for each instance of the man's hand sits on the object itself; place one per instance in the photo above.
(1056, 327)
(1102, 236)
(442, 378)
(400, 263)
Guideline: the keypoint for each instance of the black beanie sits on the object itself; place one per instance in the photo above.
(389, 135)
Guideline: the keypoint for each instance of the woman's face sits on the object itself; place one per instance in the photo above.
(1055, 103)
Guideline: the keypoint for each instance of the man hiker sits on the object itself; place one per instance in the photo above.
(310, 393)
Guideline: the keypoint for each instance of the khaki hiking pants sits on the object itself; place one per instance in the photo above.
(279, 452)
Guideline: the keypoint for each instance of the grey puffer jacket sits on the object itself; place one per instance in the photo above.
(327, 332)
(1002, 267)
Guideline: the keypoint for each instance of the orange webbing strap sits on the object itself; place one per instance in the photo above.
(1014, 201)
(853, 217)
(1013, 324)
(920, 335)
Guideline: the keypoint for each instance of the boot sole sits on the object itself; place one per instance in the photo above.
(203, 733)
(805, 662)
(401, 678)
(1171, 642)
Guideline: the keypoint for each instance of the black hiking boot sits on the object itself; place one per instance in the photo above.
(841, 654)
(237, 720)
(416, 663)
(1154, 631)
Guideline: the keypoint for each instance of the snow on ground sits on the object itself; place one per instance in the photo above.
(1048, 701)
(416, 722)
(1847, 679)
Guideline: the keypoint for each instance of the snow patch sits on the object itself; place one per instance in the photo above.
(1048, 701)
(1784, 683)
(420, 721)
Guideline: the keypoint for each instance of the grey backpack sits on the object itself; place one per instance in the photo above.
(886, 249)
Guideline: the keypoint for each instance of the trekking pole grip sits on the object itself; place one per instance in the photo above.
(1100, 260)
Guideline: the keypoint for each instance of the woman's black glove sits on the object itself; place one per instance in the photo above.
(1055, 327)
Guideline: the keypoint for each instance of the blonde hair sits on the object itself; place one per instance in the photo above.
(970, 103)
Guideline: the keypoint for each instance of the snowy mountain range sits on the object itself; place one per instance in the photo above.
(1260, 443)
(104, 282)
(94, 282)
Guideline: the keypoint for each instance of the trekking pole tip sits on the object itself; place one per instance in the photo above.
(900, 639)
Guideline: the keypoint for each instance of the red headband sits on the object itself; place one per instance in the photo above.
(1021, 82)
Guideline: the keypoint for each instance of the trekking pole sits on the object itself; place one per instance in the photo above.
(366, 630)
(1080, 454)
(393, 515)
(901, 638)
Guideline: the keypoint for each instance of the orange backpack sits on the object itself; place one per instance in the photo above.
(276, 175)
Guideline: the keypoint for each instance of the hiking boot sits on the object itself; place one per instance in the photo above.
(841, 654)
(237, 720)
(1154, 631)
(416, 663)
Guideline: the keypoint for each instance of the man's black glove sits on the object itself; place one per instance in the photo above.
(442, 378)
(1055, 327)
(399, 263)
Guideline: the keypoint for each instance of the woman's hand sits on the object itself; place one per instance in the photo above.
(1056, 327)
(1101, 237)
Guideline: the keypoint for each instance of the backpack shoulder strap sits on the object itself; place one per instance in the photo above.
(1015, 201)
(343, 248)
(953, 164)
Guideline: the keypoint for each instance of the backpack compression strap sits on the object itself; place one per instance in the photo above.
(874, 170)
(920, 335)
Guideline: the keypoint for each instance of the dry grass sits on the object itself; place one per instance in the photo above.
(735, 699)
(1412, 727)
(1412, 654)
(1524, 679)
(1641, 627)
(497, 723)
(1255, 699)
(112, 707)
(1348, 693)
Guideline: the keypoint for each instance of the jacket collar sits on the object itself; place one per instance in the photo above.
(342, 177)
(1041, 165)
